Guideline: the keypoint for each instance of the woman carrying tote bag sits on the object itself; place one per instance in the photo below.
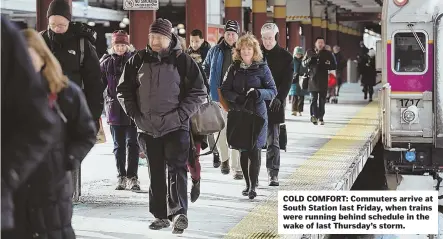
(247, 85)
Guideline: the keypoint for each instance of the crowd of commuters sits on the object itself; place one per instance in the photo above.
(150, 97)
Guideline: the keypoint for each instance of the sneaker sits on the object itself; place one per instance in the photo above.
(179, 224)
(158, 224)
(314, 120)
(294, 113)
(133, 184)
(225, 167)
(299, 113)
(322, 122)
(216, 162)
(195, 190)
(273, 181)
(121, 185)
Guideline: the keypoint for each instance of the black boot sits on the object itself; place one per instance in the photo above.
(216, 162)
(244, 163)
(195, 190)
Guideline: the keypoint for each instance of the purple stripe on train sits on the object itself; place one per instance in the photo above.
(418, 83)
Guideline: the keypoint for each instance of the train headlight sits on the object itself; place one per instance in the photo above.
(410, 114)
(410, 156)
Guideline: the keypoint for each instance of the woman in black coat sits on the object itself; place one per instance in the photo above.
(44, 202)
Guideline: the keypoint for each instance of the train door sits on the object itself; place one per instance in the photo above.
(438, 82)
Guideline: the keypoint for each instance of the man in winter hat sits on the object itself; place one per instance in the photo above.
(215, 66)
(79, 63)
(281, 63)
(161, 109)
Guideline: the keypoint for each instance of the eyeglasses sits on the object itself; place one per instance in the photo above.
(52, 25)
(267, 38)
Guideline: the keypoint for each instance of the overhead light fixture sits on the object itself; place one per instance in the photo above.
(122, 25)
(91, 24)
(180, 26)
(400, 3)
(125, 21)
(182, 31)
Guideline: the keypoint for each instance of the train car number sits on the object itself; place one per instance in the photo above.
(405, 103)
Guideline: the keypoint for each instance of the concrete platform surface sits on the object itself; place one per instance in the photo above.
(104, 213)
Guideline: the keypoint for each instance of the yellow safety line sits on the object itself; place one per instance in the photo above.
(322, 171)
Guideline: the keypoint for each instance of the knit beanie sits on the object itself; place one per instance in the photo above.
(232, 26)
(60, 8)
(162, 26)
(298, 50)
(120, 37)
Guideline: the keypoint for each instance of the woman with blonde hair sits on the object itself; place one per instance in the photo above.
(44, 202)
(248, 83)
(123, 129)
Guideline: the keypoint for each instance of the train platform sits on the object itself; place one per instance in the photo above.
(318, 157)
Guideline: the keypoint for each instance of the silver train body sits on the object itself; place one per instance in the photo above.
(411, 99)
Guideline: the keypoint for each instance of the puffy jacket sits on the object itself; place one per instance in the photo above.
(161, 92)
(238, 82)
(27, 121)
(66, 48)
(111, 66)
(44, 201)
(213, 67)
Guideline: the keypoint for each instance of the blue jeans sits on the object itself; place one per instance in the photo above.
(125, 137)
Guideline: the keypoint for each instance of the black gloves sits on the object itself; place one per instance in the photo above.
(254, 94)
(275, 105)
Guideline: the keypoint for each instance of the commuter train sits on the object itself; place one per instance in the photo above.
(411, 99)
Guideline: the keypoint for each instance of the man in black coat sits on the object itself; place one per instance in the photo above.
(319, 62)
(281, 64)
(65, 38)
(26, 118)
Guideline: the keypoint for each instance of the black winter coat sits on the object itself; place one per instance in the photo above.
(27, 121)
(44, 202)
(281, 64)
(368, 71)
(66, 48)
(318, 65)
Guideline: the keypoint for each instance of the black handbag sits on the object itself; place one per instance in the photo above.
(243, 127)
(283, 137)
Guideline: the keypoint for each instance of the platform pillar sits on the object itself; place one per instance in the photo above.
(332, 32)
(294, 35)
(259, 9)
(41, 10)
(196, 18)
(233, 11)
(308, 33)
(139, 23)
(280, 20)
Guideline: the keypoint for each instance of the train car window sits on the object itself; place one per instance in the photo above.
(408, 55)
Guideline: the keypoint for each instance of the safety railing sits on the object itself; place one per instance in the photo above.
(385, 114)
